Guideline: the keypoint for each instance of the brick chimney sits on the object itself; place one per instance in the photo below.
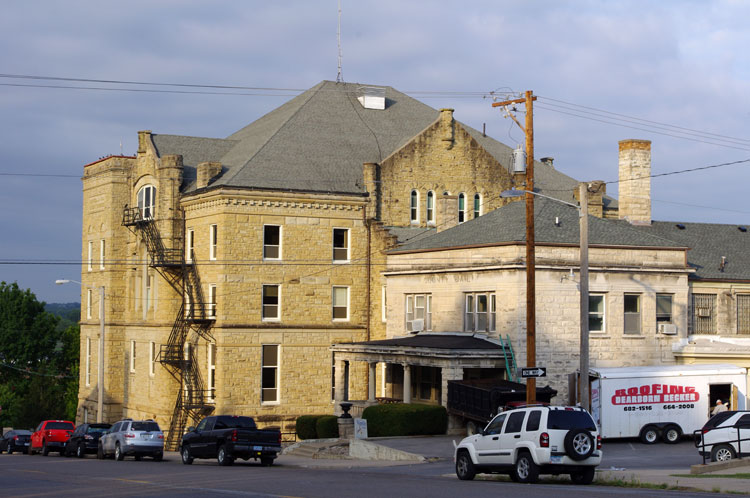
(205, 172)
(635, 181)
(447, 211)
(446, 127)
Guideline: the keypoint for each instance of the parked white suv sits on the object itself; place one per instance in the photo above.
(533, 440)
(725, 436)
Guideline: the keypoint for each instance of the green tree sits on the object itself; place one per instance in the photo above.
(38, 361)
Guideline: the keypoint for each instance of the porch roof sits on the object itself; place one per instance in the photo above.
(436, 345)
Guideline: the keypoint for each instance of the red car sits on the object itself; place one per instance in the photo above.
(51, 435)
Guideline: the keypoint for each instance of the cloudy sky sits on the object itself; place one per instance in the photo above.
(673, 72)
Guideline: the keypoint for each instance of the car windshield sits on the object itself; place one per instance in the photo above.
(718, 419)
(237, 422)
(22, 433)
(60, 425)
(570, 419)
(145, 426)
(97, 429)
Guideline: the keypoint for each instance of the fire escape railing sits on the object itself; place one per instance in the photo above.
(178, 355)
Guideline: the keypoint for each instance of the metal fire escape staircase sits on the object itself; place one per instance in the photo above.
(193, 321)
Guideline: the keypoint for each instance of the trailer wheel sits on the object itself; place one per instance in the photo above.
(671, 434)
(649, 434)
(471, 428)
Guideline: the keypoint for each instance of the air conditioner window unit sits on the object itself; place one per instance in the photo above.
(703, 312)
(417, 326)
(667, 328)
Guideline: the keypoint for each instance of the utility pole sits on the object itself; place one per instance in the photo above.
(583, 377)
(528, 130)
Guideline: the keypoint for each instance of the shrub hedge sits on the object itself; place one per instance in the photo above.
(306, 426)
(401, 419)
(327, 426)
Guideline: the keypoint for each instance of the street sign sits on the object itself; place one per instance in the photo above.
(533, 372)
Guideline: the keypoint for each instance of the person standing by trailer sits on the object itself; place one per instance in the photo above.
(720, 407)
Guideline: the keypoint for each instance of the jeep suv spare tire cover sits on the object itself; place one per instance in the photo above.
(579, 444)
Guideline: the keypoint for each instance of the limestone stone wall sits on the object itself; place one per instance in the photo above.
(557, 303)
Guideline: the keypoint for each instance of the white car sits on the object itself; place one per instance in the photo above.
(533, 440)
(725, 436)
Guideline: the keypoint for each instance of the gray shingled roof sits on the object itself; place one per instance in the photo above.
(708, 242)
(508, 224)
(319, 140)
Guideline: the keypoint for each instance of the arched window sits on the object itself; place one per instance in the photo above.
(146, 201)
(477, 205)
(414, 211)
(461, 207)
(430, 207)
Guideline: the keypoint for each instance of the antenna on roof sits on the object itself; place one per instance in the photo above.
(339, 76)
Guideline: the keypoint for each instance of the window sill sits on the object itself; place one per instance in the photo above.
(270, 320)
(633, 336)
(341, 261)
(270, 403)
(341, 320)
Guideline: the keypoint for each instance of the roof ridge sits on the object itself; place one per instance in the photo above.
(312, 92)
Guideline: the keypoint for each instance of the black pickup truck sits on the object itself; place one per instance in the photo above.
(227, 437)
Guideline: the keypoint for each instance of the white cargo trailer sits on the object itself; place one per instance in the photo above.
(662, 402)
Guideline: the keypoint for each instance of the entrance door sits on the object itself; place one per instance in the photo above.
(724, 393)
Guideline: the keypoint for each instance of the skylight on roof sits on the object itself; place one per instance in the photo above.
(372, 97)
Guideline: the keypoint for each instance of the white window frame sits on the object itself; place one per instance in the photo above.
(91, 255)
(87, 376)
(265, 245)
(213, 236)
(414, 207)
(146, 210)
(461, 211)
(603, 313)
(89, 297)
(333, 303)
(430, 207)
(477, 207)
(149, 290)
(347, 247)
(190, 245)
(152, 358)
(211, 371)
(132, 356)
(384, 305)
(102, 253)
(264, 318)
(411, 310)
(277, 376)
(211, 302)
(472, 316)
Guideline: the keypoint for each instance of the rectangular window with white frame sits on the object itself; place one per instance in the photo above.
(152, 358)
(384, 306)
(270, 373)
(271, 305)
(340, 298)
(418, 312)
(213, 242)
(102, 253)
(663, 308)
(597, 313)
(190, 245)
(211, 371)
(149, 290)
(132, 356)
(91, 255)
(272, 242)
(340, 245)
(479, 311)
(89, 297)
(88, 361)
(212, 301)
(632, 311)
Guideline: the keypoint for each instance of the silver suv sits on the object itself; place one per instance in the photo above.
(132, 437)
(725, 436)
(533, 440)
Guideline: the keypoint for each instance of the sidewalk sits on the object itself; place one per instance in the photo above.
(682, 478)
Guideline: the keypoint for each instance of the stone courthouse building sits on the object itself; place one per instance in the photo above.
(231, 265)
(352, 244)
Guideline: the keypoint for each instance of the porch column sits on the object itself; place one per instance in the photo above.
(340, 378)
(371, 381)
(407, 383)
(446, 374)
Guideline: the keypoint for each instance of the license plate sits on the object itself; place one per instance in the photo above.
(257, 448)
(555, 459)
(145, 436)
(25, 444)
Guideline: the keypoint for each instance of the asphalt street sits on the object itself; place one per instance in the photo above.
(23, 475)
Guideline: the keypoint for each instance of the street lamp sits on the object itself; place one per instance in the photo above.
(583, 215)
(100, 398)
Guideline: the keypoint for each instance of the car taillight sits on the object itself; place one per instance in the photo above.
(129, 434)
(598, 442)
(544, 440)
(161, 436)
(15, 438)
(234, 436)
(49, 433)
